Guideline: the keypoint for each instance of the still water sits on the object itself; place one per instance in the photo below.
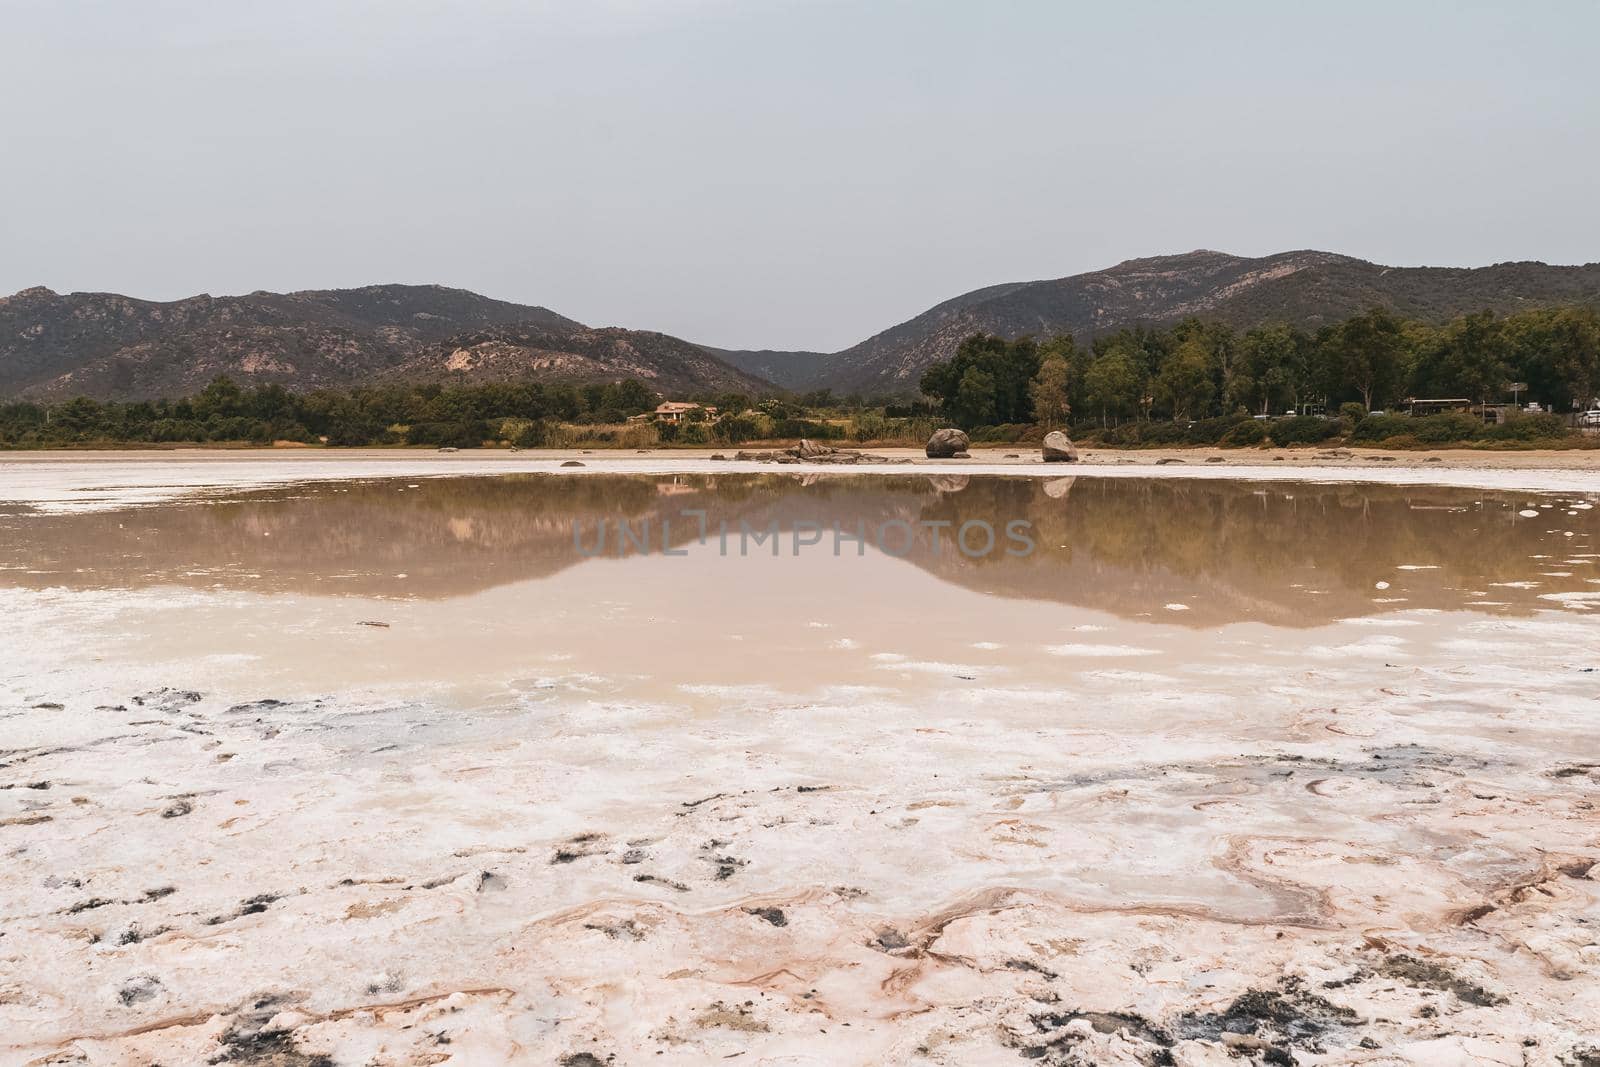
(649, 584)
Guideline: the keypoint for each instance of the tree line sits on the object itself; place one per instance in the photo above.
(1190, 383)
(529, 414)
(223, 411)
(1199, 369)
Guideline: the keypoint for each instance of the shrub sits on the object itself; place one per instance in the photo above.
(1210, 431)
(1301, 430)
(1007, 433)
(1381, 427)
(532, 435)
(734, 429)
(1245, 435)
(817, 431)
(1450, 426)
(1160, 433)
(465, 434)
(1522, 427)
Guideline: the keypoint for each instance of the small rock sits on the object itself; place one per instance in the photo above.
(573, 463)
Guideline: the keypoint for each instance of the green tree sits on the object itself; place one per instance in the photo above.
(1557, 352)
(220, 397)
(1111, 384)
(1268, 369)
(1368, 352)
(1007, 366)
(1048, 391)
(1472, 357)
(1184, 382)
(974, 400)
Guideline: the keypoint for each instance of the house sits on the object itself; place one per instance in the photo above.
(678, 410)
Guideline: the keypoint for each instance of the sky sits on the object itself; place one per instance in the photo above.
(793, 174)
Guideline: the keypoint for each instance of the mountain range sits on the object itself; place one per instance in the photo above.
(110, 346)
(1305, 288)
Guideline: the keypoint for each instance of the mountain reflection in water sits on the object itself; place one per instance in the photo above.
(1296, 554)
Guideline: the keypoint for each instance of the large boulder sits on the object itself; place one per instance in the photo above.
(1058, 448)
(811, 450)
(947, 443)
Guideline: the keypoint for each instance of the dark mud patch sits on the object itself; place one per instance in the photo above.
(90, 904)
(726, 866)
(577, 848)
(889, 940)
(255, 707)
(1058, 1048)
(179, 807)
(1406, 766)
(775, 916)
(1265, 1023)
(167, 699)
(139, 989)
(1424, 974)
(655, 879)
(626, 930)
(1289, 1014)
(266, 1048)
(253, 906)
(1030, 967)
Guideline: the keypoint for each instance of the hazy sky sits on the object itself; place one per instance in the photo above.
(777, 173)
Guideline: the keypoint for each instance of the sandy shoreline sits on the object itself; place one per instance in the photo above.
(982, 455)
(71, 480)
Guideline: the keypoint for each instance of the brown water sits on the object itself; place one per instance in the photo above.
(488, 587)
(1283, 553)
